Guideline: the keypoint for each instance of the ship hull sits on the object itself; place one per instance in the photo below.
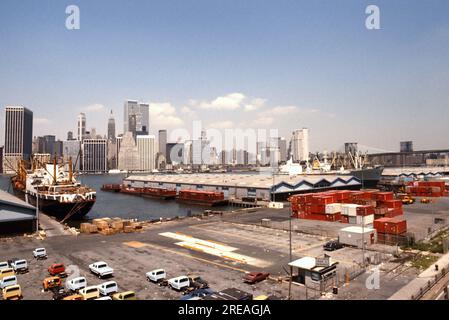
(369, 177)
(204, 203)
(57, 209)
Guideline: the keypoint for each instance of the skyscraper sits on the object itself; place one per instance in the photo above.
(128, 156)
(138, 114)
(111, 128)
(49, 144)
(94, 155)
(147, 152)
(163, 142)
(69, 135)
(71, 149)
(18, 136)
(300, 145)
(81, 126)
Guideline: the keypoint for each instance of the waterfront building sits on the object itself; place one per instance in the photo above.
(300, 145)
(146, 146)
(94, 155)
(128, 155)
(81, 126)
(18, 137)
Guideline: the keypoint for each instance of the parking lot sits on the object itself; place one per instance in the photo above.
(219, 249)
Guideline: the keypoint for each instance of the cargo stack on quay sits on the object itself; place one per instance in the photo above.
(428, 189)
(108, 226)
(364, 209)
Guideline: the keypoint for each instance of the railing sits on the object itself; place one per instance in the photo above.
(430, 284)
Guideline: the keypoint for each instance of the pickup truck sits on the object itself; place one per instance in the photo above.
(101, 269)
(156, 275)
(19, 265)
(40, 253)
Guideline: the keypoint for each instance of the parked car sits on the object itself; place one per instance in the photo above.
(90, 293)
(198, 294)
(12, 292)
(57, 269)
(104, 298)
(156, 275)
(19, 265)
(7, 272)
(333, 245)
(128, 295)
(76, 284)
(40, 253)
(179, 283)
(74, 297)
(4, 265)
(198, 282)
(101, 269)
(108, 288)
(254, 277)
(8, 281)
(51, 283)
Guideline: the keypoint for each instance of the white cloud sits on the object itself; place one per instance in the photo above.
(41, 121)
(255, 104)
(97, 107)
(280, 111)
(163, 114)
(231, 101)
(263, 121)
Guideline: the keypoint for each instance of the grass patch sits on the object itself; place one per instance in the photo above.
(434, 245)
(422, 262)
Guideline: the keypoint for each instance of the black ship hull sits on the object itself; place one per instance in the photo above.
(369, 177)
(59, 210)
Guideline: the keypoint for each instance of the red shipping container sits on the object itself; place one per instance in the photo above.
(391, 213)
(384, 196)
(344, 219)
(391, 226)
(365, 210)
(393, 204)
(317, 209)
(322, 200)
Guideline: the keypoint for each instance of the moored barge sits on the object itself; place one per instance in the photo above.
(204, 198)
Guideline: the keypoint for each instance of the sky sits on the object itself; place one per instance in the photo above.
(234, 64)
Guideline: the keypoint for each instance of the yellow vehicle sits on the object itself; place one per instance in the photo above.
(74, 297)
(90, 293)
(425, 200)
(408, 200)
(51, 282)
(262, 297)
(7, 273)
(128, 295)
(12, 293)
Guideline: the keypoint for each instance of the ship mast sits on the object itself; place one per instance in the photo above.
(70, 170)
(54, 170)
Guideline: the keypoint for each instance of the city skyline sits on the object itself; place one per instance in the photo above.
(335, 77)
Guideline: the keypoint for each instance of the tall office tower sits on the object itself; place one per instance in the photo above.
(163, 142)
(300, 145)
(187, 152)
(71, 150)
(49, 144)
(18, 137)
(118, 143)
(174, 152)
(406, 146)
(282, 145)
(146, 147)
(95, 155)
(58, 148)
(112, 155)
(351, 147)
(201, 150)
(69, 135)
(81, 126)
(128, 156)
(111, 128)
(93, 133)
(141, 113)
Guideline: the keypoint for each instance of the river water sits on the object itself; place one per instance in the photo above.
(111, 204)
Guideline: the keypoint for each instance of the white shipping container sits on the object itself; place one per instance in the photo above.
(333, 208)
(353, 236)
(349, 209)
(365, 220)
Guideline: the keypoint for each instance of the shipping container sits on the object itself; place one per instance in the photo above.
(365, 210)
(391, 225)
(355, 236)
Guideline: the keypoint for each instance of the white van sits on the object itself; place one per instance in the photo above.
(156, 275)
(108, 288)
(8, 281)
(4, 265)
(19, 265)
(76, 283)
(179, 283)
(40, 253)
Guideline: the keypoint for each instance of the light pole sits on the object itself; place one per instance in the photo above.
(37, 209)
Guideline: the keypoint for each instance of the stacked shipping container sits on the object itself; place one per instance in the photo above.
(427, 189)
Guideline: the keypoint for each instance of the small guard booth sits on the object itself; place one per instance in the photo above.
(318, 273)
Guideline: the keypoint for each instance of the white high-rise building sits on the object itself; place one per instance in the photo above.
(146, 147)
(300, 145)
(81, 126)
(128, 156)
(95, 155)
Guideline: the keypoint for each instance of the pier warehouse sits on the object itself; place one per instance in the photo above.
(239, 186)
(16, 216)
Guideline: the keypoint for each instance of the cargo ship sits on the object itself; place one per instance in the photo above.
(54, 189)
(203, 198)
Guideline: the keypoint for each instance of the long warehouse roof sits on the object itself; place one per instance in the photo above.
(282, 183)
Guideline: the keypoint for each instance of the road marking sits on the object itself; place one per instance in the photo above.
(190, 256)
(135, 244)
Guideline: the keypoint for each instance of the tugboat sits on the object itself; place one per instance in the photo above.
(54, 190)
